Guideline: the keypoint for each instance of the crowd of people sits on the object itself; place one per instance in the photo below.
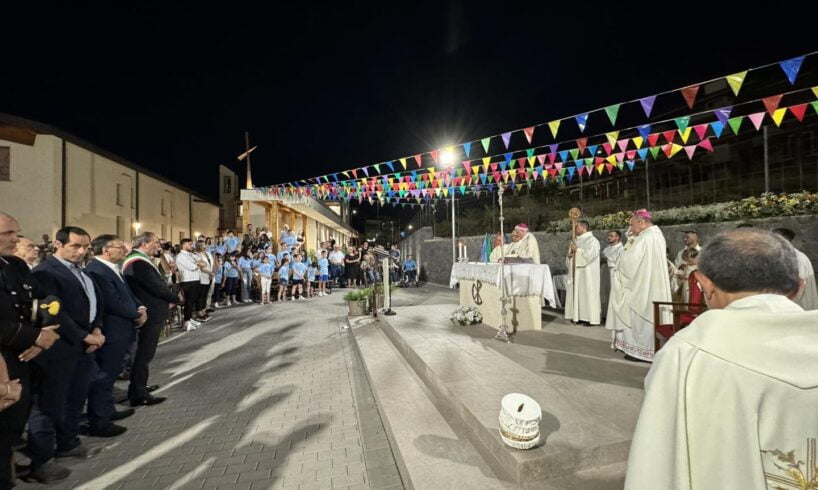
(78, 313)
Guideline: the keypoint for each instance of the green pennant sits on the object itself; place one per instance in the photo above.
(574, 153)
(735, 123)
(463, 190)
(815, 106)
(654, 150)
(682, 123)
(377, 167)
(529, 152)
(562, 172)
(589, 167)
(589, 162)
(490, 177)
(511, 163)
(459, 172)
(613, 112)
(529, 182)
(485, 142)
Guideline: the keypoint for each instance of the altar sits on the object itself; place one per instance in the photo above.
(527, 287)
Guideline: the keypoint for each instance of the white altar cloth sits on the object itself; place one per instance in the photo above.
(520, 279)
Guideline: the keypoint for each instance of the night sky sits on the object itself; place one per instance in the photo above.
(323, 88)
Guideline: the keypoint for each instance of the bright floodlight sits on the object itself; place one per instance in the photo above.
(447, 157)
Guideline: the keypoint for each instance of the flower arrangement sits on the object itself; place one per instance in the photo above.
(765, 206)
(466, 315)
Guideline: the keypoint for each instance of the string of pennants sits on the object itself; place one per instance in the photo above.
(790, 68)
(416, 187)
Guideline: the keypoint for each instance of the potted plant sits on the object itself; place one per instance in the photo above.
(357, 301)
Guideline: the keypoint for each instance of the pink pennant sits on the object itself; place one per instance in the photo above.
(529, 133)
(418, 160)
(558, 166)
(690, 150)
(581, 144)
(609, 167)
(623, 144)
(494, 167)
(757, 118)
(607, 147)
(619, 157)
(700, 130)
(706, 144)
(631, 154)
(467, 166)
(552, 157)
(434, 154)
(541, 158)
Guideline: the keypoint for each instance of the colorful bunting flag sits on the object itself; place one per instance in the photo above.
(798, 111)
(612, 111)
(757, 119)
(647, 104)
(582, 120)
(736, 80)
(778, 116)
(735, 123)
(506, 138)
(771, 103)
(529, 133)
(791, 68)
(466, 149)
(555, 126)
(689, 94)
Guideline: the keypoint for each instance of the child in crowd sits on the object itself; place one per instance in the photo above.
(299, 271)
(323, 273)
(312, 271)
(283, 277)
(265, 270)
(232, 278)
(218, 278)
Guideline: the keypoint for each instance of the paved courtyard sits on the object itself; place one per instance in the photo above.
(261, 397)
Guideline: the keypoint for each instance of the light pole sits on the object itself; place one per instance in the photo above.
(447, 159)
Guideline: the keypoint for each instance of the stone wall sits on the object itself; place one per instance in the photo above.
(434, 255)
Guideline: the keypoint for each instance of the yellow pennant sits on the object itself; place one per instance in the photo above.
(554, 126)
(685, 134)
(475, 169)
(513, 173)
(403, 163)
(391, 181)
(445, 192)
(600, 168)
(638, 140)
(432, 172)
(675, 149)
(736, 80)
(612, 136)
(505, 177)
(815, 91)
(531, 161)
(778, 116)
(486, 162)
(611, 159)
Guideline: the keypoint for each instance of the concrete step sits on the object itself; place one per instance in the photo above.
(468, 380)
(429, 451)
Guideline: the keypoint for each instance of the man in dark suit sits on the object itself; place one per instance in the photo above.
(149, 286)
(122, 315)
(20, 341)
(66, 367)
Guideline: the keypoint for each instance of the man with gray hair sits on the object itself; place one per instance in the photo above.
(809, 296)
(730, 400)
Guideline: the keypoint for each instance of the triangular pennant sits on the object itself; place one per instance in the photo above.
(674, 149)
(355, 173)
(508, 156)
(419, 160)
(690, 150)
(778, 116)
(466, 165)
(571, 171)
(403, 163)
(607, 147)
(637, 141)
(815, 91)
(735, 123)
(553, 147)
(757, 119)
(612, 111)
(575, 153)
(706, 144)
(564, 155)
(581, 144)
(654, 150)
(506, 138)
(630, 165)
(685, 135)
(529, 133)
(791, 68)
(610, 168)
(700, 129)
(592, 149)
(689, 93)
(485, 142)
(612, 136)
(529, 152)
(486, 161)
(643, 153)
(582, 120)
(717, 127)
(814, 105)
(365, 171)
(467, 149)
(600, 168)
(541, 158)
(434, 154)
(623, 144)
(647, 104)
(723, 114)
(682, 122)
(554, 126)
(669, 135)
(475, 169)
(391, 166)
(644, 130)
(735, 80)
(798, 111)
(771, 103)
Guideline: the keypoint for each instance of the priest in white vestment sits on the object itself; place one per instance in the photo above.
(497, 251)
(809, 296)
(523, 244)
(641, 277)
(610, 255)
(730, 401)
(584, 306)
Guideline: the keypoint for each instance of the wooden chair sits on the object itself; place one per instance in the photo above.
(683, 313)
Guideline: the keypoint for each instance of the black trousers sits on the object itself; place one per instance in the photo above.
(193, 293)
(203, 290)
(13, 419)
(145, 350)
